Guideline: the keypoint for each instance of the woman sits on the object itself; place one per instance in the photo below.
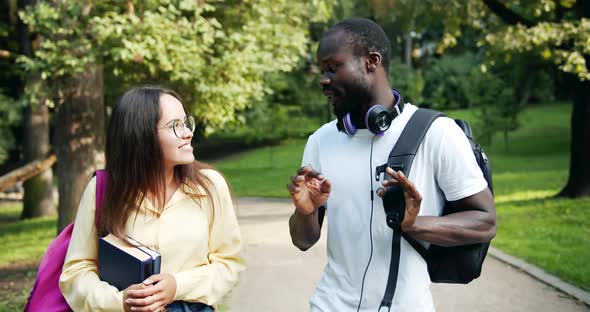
(160, 196)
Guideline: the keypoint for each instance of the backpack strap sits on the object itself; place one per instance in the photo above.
(101, 185)
(401, 158)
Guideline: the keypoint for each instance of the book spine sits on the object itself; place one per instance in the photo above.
(157, 263)
(147, 270)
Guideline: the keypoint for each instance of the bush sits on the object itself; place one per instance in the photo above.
(448, 82)
(408, 81)
(497, 106)
(10, 116)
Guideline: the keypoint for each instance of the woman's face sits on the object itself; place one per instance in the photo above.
(177, 150)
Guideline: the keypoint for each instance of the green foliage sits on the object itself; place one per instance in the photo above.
(564, 43)
(270, 123)
(448, 81)
(214, 54)
(408, 81)
(497, 108)
(10, 114)
(293, 107)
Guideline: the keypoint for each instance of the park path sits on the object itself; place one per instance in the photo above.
(280, 278)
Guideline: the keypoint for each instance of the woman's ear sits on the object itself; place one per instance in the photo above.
(374, 59)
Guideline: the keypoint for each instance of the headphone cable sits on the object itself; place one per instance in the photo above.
(370, 225)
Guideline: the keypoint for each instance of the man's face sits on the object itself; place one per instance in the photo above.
(344, 76)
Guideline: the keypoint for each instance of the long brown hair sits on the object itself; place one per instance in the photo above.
(134, 161)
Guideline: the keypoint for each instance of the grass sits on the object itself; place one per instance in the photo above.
(23, 244)
(263, 172)
(528, 171)
(23, 240)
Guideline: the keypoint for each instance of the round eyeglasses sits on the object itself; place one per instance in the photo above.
(179, 126)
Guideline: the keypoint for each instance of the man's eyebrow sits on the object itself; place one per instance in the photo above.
(326, 58)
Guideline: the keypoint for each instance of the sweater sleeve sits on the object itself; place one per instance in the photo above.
(79, 281)
(209, 283)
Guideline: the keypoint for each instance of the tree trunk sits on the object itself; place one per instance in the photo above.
(408, 49)
(578, 183)
(79, 139)
(38, 196)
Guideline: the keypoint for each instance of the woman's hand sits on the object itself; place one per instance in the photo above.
(127, 306)
(157, 292)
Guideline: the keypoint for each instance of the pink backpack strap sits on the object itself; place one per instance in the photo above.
(101, 185)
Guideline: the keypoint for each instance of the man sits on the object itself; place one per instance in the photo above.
(337, 177)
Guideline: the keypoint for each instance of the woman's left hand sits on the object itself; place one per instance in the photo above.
(159, 293)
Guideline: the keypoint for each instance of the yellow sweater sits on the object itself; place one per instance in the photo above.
(199, 245)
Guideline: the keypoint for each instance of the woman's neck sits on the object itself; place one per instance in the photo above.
(170, 186)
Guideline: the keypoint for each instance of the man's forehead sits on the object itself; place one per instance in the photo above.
(332, 44)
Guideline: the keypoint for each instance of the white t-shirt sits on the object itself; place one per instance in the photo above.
(443, 166)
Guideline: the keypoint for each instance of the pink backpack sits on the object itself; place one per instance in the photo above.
(46, 295)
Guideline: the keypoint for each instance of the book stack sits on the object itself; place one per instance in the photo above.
(122, 265)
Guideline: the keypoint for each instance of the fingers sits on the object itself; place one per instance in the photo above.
(307, 178)
(144, 292)
(153, 279)
(326, 186)
(292, 189)
(308, 172)
(410, 190)
(141, 302)
(150, 303)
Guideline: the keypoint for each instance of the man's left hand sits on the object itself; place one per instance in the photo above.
(411, 194)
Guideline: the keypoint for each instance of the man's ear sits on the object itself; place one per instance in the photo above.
(374, 59)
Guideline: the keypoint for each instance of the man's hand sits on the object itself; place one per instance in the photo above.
(411, 194)
(151, 298)
(309, 190)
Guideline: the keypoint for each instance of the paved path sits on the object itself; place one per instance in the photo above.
(281, 278)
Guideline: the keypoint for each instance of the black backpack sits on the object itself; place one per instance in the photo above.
(458, 264)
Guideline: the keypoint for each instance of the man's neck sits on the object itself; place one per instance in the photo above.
(384, 96)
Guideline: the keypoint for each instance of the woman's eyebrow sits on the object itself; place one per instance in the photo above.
(175, 119)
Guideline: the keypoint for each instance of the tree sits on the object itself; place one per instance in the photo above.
(214, 54)
(558, 31)
(550, 31)
(38, 191)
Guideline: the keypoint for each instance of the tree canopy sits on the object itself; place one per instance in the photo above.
(214, 53)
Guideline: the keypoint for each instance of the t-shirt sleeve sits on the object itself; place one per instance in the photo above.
(456, 169)
(311, 153)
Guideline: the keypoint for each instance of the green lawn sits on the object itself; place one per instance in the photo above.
(551, 233)
(527, 172)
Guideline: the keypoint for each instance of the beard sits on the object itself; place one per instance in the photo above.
(357, 95)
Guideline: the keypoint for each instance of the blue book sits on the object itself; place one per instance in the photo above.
(122, 265)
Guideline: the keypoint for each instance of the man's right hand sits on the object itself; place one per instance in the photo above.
(309, 190)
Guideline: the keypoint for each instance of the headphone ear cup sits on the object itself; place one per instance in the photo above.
(378, 119)
(345, 125)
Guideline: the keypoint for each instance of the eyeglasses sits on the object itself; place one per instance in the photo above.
(179, 126)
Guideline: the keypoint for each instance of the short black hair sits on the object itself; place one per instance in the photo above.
(364, 36)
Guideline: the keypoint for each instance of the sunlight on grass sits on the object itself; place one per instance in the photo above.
(522, 196)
